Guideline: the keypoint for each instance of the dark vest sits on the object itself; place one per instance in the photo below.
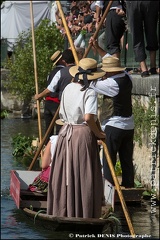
(50, 77)
(121, 104)
(64, 80)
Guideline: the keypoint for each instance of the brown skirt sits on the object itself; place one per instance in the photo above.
(75, 186)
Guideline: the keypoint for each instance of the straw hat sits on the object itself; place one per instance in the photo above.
(56, 56)
(59, 122)
(111, 64)
(88, 67)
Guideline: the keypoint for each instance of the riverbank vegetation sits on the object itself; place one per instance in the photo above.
(4, 114)
(143, 117)
(20, 79)
(24, 150)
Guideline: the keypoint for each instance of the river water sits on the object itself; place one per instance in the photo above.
(16, 225)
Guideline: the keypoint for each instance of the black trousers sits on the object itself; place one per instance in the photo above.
(115, 28)
(120, 141)
(143, 18)
(50, 109)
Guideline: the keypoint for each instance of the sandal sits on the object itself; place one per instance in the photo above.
(145, 74)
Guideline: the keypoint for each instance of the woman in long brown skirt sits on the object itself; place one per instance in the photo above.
(75, 184)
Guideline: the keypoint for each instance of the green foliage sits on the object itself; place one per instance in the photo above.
(20, 144)
(23, 151)
(138, 112)
(4, 114)
(147, 194)
(118, 169)
(142, 118)
(21, 78)
(137, 184)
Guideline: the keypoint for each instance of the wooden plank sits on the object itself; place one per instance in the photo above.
(15, 188)
(33, 194)
(130, 195)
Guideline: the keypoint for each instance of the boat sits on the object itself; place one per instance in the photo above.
(132, 196)
(34, 205)
(71, 224)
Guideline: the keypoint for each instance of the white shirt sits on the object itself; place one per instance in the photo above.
(53, 84)
(99, 4)
(53, 140)
(109, 87)
(76, 103)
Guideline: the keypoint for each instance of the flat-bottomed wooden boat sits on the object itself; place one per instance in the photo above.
(34, 204)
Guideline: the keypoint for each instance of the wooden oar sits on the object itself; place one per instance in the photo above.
(67, 32)
(44, 139)
(118, 188)
(35, 72)
(98, 28)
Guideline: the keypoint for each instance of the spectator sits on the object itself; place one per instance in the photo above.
(114, 25)
(73, 4)
(75, 184)
(143, 17)
(86, 24)
(80, 52)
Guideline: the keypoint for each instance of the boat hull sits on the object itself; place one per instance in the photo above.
(70, 224)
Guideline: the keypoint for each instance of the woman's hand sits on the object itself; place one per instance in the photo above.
(101, 135)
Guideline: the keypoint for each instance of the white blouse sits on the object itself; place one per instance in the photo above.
(76, 103)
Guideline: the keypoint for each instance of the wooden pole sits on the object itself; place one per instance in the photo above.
(35, 72)
(57, 112)
(124, 207)
(98, 28)
(67, 32)
(44, 139)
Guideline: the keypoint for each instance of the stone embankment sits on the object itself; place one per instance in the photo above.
(146, 157)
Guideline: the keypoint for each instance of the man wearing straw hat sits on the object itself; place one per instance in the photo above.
(51, 100)
(59, 81)
(117, 118)
(75, 185)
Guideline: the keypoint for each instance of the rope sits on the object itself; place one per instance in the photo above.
(40, 211)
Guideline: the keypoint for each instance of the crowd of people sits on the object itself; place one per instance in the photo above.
(75, 186)
(81, 18)
(84, 17)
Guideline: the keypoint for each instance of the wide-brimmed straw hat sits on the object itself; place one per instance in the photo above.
(56, 56)
(111, 64)
(87, 67)
(59, 122)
